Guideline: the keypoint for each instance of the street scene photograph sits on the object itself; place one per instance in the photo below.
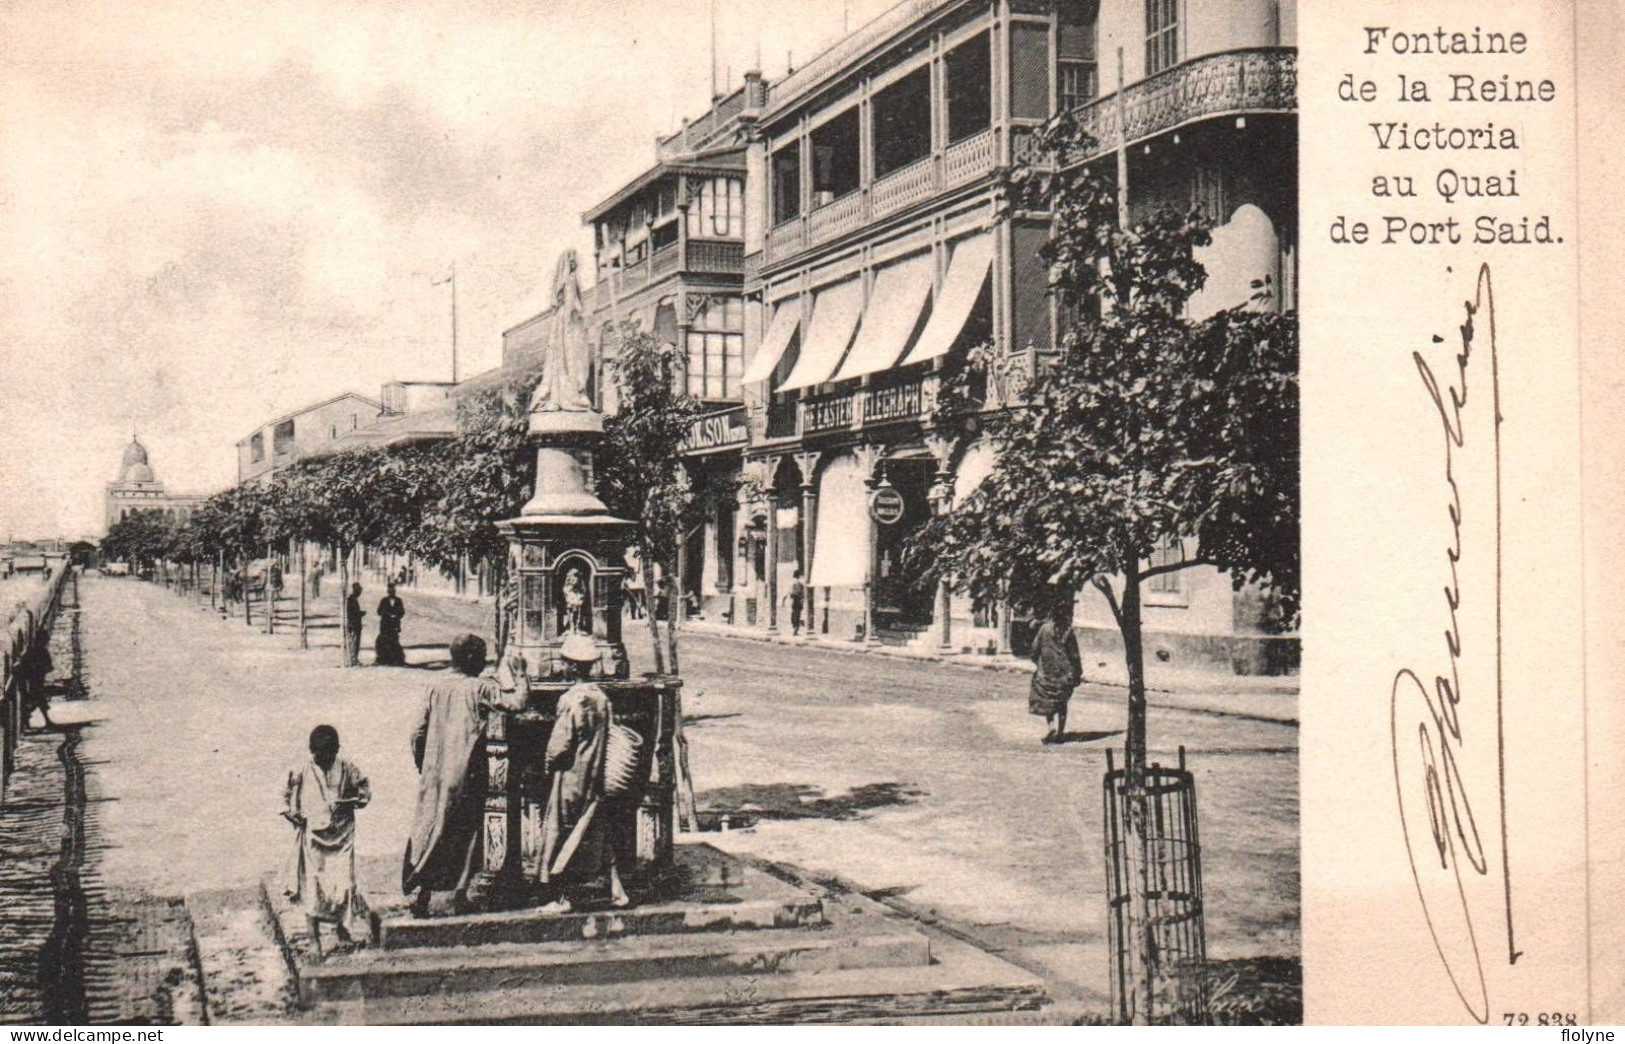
(695, 513)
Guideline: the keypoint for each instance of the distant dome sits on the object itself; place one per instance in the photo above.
(136, 468)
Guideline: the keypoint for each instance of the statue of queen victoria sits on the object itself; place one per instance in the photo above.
(567, 363)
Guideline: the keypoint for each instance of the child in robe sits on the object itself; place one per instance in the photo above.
(321, 799)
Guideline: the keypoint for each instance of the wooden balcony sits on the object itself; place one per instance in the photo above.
(715, 257)
(960, 164)
(1256, 80)
(1261, 79)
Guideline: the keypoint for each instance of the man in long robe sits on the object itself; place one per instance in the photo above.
(578, 836)
(320, 800)
(387, 647)
(449, 747)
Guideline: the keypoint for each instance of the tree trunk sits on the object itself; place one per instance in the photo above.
(1141, 956)
(344, 614)
(304, 640)
(651, 600)
(1134, 660)
(496, 572)
(671, 629)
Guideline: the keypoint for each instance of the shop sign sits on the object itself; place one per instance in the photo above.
(886, 506)
(717, 431)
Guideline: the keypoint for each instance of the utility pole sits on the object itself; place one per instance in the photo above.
(452, 279)
(713, 51)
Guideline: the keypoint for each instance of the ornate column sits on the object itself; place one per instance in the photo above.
(942, 502)
(808, 465)
(500, 826)
(869, 457)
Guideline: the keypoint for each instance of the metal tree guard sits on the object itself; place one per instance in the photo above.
(1160, 864)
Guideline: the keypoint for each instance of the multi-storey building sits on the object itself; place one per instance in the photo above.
(876, 255)
(669, 249)
(302, 433)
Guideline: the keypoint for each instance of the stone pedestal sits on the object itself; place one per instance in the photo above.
(567, 562)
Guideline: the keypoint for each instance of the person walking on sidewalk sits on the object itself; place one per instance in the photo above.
(1059, 670)
(320, 800)
(387, 648)
(798, 599)
(353, 614)
(33, 667)
(316, 581)
(442, 852)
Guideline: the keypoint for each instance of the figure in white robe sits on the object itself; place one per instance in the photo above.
(320, 800)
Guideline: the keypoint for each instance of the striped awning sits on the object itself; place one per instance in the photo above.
(779, 333)
(895, 303)
(836, 310)
(967, 274)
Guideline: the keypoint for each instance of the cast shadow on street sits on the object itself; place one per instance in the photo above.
(755, 801)
(1088, 737)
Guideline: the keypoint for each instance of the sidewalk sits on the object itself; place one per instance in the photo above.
(1272, 699)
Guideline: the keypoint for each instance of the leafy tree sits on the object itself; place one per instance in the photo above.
(640, 468)
(143, 539)
(482, 477)
(1150, 430)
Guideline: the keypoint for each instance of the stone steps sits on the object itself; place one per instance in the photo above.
(946, 992)
(717, 939)
(468, 969)
(527, 926)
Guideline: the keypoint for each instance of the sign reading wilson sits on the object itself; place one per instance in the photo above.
(716, 431)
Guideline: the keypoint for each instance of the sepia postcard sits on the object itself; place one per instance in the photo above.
(788, 512)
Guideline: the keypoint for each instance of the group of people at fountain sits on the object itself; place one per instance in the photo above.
(442, 855)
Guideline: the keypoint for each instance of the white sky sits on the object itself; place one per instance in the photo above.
(215, 212)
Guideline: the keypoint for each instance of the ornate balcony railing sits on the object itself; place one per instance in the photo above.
(901, 188)
(1257, 80)
(968, 159)
(723, 257)
(836, 218)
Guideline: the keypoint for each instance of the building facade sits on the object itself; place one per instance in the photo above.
(138, 490)
(302, 433)
(876, 256)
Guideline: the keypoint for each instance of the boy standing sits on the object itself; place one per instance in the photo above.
(320, 801)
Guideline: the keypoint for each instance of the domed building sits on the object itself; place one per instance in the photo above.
(137, 490)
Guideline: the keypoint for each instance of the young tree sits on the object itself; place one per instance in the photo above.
(640, 467)
(482, 477)
(1151, 429)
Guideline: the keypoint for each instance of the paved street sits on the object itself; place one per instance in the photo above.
(921, 783)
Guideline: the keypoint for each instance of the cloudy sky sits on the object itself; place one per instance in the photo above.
(215, 212)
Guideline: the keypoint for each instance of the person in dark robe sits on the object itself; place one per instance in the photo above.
(578, 835)
(33, 667)
(448, 745)
(353, 614)
(387, 647)
(1059, 670)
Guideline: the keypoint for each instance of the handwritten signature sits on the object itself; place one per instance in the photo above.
(1428, 715)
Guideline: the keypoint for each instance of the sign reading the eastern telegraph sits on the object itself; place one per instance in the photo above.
(716, 431)
(886, 505)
